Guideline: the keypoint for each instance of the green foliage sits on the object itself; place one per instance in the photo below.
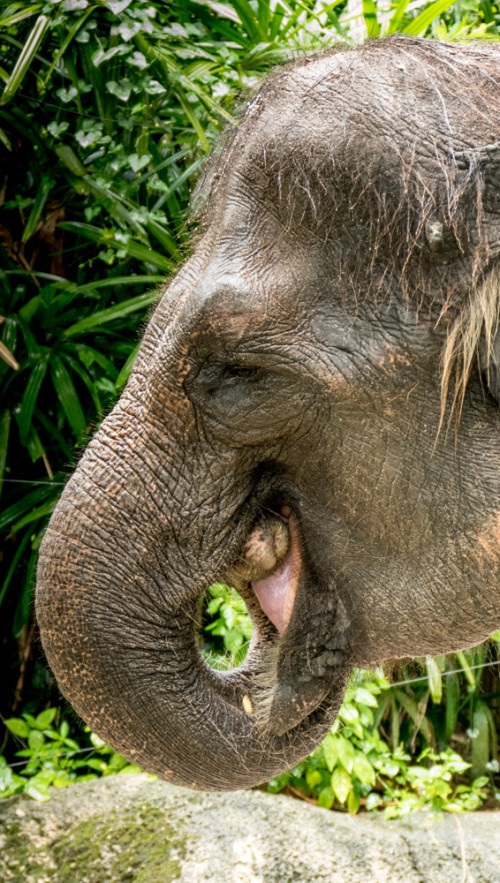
(52, 757)
(355, 768)
(229, 627)
(413, 768)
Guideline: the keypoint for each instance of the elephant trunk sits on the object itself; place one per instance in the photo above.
(122, 567)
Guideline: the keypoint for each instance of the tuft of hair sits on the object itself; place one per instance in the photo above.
(477, 323)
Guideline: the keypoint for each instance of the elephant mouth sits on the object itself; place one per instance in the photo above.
(270, 565)
(174, 714)
(298, 645)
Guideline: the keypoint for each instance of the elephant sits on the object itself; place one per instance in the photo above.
(313, 417)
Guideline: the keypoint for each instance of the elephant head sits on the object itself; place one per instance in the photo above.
(313, 416)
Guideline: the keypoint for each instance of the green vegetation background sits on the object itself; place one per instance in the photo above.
(108, 109)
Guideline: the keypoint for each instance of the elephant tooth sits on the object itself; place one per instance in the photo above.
(247, 705)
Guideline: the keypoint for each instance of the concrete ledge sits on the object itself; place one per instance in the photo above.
(131, 829)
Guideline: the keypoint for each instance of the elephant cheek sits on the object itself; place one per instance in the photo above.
(488, 540)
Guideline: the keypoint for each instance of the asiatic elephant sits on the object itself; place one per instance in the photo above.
(313, 415)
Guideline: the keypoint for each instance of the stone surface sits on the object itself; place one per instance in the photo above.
(132, 829)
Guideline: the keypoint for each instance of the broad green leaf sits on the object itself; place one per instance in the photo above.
(130, 768)
(121, 90)
(363, 769)
(326, 798)
(353, 802)
(118, 311)
(5, 419)
(346, 753)
(349, 713)
(363, 696)
(118, 6)
(341, 784)
(37, 792)
(138, 162)
(313, 778)
(25, 59)
(68, 397)
(434, 679)
(18, 727)
(45, 718)
(330, 750)
(30, 395)
(419, 25)
(36, 741)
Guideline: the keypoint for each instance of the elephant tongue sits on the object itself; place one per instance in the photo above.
(276, 593)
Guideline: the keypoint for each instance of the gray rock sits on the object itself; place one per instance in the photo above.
(132, 829)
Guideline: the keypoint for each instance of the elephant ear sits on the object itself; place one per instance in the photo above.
(481, 201)
(479, 177)
(489, 361)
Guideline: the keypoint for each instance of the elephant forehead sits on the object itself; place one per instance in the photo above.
(373, 114)
(411, 92)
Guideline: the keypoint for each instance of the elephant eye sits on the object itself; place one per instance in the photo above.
(248, 399)
(240, 372)
(213, 377)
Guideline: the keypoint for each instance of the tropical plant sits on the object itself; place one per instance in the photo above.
(354, 767)
(51, 757)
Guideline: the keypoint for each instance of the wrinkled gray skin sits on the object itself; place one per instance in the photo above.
(289, 385)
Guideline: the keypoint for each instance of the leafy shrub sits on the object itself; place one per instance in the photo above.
(413, 768)
(227, 627)
(52, 757)
(355, 768)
